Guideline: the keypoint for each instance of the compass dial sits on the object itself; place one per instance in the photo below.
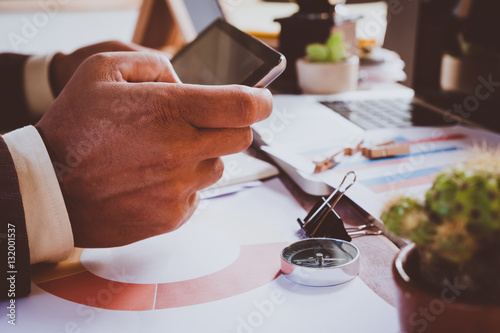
(320, 261)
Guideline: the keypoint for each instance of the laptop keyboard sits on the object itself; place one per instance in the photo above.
(375, 113)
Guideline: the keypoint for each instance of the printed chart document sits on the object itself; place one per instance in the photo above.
(300, 133)
(218, 273)
(432, 150)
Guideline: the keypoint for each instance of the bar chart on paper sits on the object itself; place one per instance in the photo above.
(432, 150)
(418, 168)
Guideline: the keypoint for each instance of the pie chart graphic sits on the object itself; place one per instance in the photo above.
(199, 263)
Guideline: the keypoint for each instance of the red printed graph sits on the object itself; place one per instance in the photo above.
(257, 265)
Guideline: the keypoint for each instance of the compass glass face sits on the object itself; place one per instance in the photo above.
(320, 258)
(319, 253)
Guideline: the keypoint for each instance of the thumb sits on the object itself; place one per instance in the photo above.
(133, 67)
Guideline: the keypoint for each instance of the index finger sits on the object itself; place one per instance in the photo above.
(220, 106)
(132, 67)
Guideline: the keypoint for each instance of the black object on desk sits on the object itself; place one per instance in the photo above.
(322, 220)
(326, 224)
(311, 24)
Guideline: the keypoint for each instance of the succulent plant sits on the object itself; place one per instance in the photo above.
(457, 229)
(408, 218)
(334, 50)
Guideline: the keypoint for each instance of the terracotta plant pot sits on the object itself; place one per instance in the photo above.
(424, 309)
(322, 78)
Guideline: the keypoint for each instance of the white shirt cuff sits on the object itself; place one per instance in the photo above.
(37, 89)
(47, 222)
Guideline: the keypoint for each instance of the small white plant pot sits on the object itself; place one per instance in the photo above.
(324, 78)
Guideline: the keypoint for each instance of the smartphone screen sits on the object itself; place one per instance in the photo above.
(216, 59)
(224, 55)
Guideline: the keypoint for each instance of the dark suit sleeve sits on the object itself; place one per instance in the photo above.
(13, 108)
(14, 249)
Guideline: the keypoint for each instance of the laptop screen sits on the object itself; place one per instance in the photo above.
(203, 12)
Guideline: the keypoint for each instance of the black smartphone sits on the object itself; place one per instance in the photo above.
(223, 54)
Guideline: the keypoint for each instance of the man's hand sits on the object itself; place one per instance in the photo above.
(63, 66)
(132, 146)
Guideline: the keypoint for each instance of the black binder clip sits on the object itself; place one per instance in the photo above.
(323, 221)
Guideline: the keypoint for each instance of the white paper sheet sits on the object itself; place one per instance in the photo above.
(192, 281)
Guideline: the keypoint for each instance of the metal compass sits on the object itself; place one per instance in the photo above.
(320, 262)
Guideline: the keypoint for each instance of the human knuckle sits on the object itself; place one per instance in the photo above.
(249, 104)
(161, 58)
(97, 63)
(245, 138)
(183, 207)
(218, 168)
(100, 58)
(118, 45)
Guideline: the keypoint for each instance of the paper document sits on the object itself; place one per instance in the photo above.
(219, 273)
(432, 150)
(241, 171)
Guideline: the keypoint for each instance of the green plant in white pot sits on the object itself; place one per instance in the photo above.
(328, 68)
